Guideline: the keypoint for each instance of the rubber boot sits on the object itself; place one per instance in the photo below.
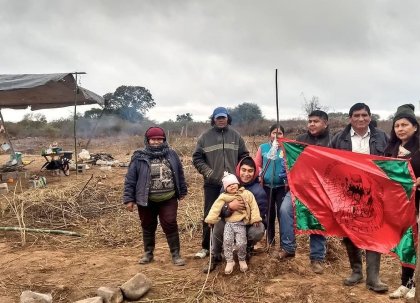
(355, 259)
(149, 247)
(214, 261)
(373, 264)
(174, 248)
(249, 250)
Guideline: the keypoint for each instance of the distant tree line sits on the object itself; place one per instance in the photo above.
(125, 112)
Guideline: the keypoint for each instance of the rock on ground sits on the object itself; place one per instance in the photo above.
(136, 287)
(28, 296)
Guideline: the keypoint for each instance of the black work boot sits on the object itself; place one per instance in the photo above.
(373, 264)
(355, 259)
(214, 261)
(149, 247)
(174, 248)
(249, 250)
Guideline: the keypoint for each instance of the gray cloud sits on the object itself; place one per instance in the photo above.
(195, 55)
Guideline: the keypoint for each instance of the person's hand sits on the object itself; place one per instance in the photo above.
(130, 206)
(237, 205)
(417, 183)
(256, 224)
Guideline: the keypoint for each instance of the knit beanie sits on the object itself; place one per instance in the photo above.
(229, 179)
(155, 133)
(405, 111)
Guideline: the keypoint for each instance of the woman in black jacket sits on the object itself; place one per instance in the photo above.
(154, 183)
(404, 143)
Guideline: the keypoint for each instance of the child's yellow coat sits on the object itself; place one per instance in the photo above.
(250, 215)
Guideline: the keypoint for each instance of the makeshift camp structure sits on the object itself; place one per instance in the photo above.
(41, 91)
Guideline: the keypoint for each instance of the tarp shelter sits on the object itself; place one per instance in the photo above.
(41, 91)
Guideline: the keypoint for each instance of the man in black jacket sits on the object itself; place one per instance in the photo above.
(358, 136)
(318, 134)
(218, 149)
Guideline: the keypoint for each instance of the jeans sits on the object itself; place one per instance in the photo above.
(287, 233)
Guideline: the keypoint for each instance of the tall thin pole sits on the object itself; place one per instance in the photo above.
(277, 100)
(75, 114)
(74, 122)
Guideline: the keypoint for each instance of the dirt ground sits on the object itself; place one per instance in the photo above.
(106, 254)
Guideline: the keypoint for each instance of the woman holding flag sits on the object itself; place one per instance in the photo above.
(404, 143)
(270, 162)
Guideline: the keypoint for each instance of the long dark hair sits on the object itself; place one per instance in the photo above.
(412, 145)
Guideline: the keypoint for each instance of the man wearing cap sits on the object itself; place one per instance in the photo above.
(218, 149)
(358, 136)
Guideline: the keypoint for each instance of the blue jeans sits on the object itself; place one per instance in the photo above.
(287, 233)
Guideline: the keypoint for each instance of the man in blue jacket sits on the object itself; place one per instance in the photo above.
(247, 174)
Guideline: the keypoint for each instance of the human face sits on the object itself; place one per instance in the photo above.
(232, 189)
(404, 129)
(360, 120)
(246, 173)
(221, 122)
(274, 132)
(155, 142)
(316, 125)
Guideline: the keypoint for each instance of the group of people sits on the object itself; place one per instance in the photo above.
(243, 196)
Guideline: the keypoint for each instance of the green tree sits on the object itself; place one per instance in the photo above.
(184, 118)
(245, 113)
(93, 113)
(129, 102)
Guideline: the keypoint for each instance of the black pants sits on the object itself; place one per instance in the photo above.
(166, 211)
(211, 193)
(276, 194)
(407, 276)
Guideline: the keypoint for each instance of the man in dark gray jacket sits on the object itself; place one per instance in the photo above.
(218, 149)
(360, 137)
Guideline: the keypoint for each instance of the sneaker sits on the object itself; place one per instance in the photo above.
(229, 267)
(410, 295)
(317, 267)
(201, 254)
(399, 293)
(243, 266)
(283, 255)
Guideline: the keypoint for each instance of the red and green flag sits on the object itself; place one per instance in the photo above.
(367, 198)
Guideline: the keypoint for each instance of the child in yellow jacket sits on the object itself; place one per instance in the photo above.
(235, 228)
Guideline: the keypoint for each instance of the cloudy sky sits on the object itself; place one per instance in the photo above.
(196, 55)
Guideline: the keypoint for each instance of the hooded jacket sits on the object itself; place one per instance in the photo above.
(255, 188)
(218, 150)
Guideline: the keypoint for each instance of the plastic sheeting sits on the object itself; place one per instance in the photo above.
(41, 91)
